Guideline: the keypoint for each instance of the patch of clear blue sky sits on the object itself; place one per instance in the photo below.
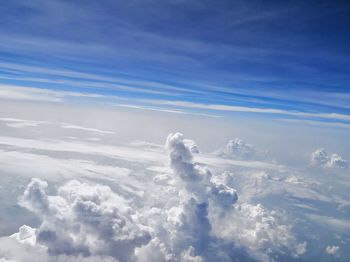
(271, 54)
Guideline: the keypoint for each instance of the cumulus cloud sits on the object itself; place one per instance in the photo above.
(11, 249)
(192, 146)
(336, 161)
(332, 250)
(154, 251)
(239, 149)
(194, 215)
(189, 175)
(84, 220)
(26, 235)
(210, 208)
(320, 158)
(189, 256)
(265, 233)
(196, 179)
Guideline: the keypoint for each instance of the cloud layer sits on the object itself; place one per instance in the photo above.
(202, 219)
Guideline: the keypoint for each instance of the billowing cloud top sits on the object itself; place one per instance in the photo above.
(201, 220)
(321, 158)
(239, 149)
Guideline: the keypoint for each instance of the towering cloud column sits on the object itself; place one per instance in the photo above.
(196, 191)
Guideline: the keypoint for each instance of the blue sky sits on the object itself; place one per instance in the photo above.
(287, 58)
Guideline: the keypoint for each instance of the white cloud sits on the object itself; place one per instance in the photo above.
(95, 80)
(84, 219)
(332, 250)
(317, 123)
(209, 207)
(192, 146)
(70, 126)
(336, 161)
(126, 153)
(166, 110)
(13, 251)
(26, 235)
(154, 251)
(188, 174)
(336, 224)
(219, 107)
(2, 259)
(263, 232)
(321, 158)
(14, 92)
(239, 149)
(189, 256)
(177, 212)
(21, 123)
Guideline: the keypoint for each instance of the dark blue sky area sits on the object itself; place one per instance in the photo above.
(269, 54)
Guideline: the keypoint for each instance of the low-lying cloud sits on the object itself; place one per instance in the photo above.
(202, 219)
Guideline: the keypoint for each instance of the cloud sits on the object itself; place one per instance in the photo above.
(338, 225)
(189, 214)
(122, 152)
(263, 232)
(14, 92)
(166, 110)
(189, 256)
(26, 235)
(273, 111)
(154, 251)
(209, 207)
(336, 161)
(84, 220)
(320, 158)
(11, 250)
(21, 123)
(239, 149)
(332, 250)
(192, 146)
(317, 123)
(70, 126)
(83, 79)
(189, 175)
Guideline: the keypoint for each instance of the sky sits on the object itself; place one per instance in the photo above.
(287, 60)
(192, 131)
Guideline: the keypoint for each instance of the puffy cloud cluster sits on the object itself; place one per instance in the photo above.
(210, 207)
(82, 220)
(332, 250)
(192, 146)
(196, 217)
(264, 232)
(239, 149)
(188, 175)
(26, 235)
(321, 158)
